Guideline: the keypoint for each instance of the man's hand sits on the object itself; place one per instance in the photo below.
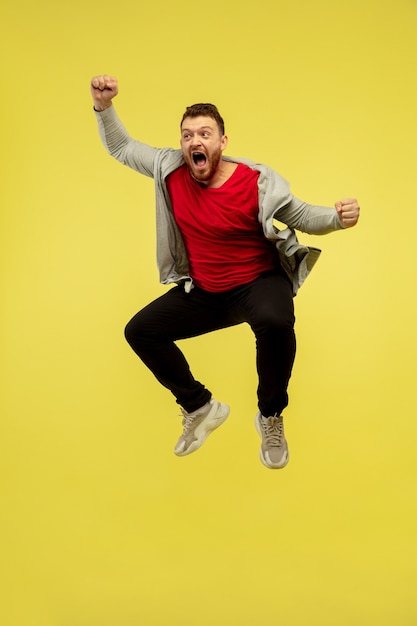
(348, 211)
(103, 89)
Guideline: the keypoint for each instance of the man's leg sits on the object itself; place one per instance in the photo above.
(152, 332)
(267, 305)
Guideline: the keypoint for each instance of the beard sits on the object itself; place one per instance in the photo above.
(204, 174)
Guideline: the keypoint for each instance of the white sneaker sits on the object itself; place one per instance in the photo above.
(199, 424)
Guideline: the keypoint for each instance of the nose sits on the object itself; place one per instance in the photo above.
(195, 141)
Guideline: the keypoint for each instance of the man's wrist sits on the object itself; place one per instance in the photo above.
(100, 108)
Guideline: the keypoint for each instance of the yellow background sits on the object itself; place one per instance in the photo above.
(101, 524)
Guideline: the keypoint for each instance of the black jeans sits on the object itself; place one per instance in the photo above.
(266, 304)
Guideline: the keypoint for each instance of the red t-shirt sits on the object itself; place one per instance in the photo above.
(223, 238)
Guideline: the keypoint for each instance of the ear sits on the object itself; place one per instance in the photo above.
(224, 142)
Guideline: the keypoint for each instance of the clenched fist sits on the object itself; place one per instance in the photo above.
(103, 89)
(348, 211)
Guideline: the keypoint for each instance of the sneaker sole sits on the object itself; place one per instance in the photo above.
(212, 421)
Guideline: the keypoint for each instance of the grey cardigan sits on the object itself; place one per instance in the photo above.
(275, 202)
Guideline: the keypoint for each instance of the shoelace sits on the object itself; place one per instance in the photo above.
(187, 420)
(274, 431)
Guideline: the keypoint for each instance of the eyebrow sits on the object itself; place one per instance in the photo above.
(200, 128)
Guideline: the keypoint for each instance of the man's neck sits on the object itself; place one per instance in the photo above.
(222, 174)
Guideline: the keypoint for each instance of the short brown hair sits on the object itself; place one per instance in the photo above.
(206, 109)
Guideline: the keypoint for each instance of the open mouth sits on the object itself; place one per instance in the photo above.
(199, 159)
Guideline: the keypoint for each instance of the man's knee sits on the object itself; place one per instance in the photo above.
(145, 330)
(274, 322)
(129, 332)
(135, 331)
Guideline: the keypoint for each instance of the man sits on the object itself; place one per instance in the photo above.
(216, 240)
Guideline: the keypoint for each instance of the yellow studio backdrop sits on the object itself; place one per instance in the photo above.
(101, 524)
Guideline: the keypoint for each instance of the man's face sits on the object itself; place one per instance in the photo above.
(202, 146)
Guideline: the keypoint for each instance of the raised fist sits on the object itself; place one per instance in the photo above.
(348, 210)
(103, 89)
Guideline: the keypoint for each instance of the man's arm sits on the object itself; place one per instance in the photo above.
(115, 138)
(319, 220)
(277, 202)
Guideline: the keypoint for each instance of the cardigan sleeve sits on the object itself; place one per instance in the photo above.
(118, 143)
(309, 218)
(277, 202)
